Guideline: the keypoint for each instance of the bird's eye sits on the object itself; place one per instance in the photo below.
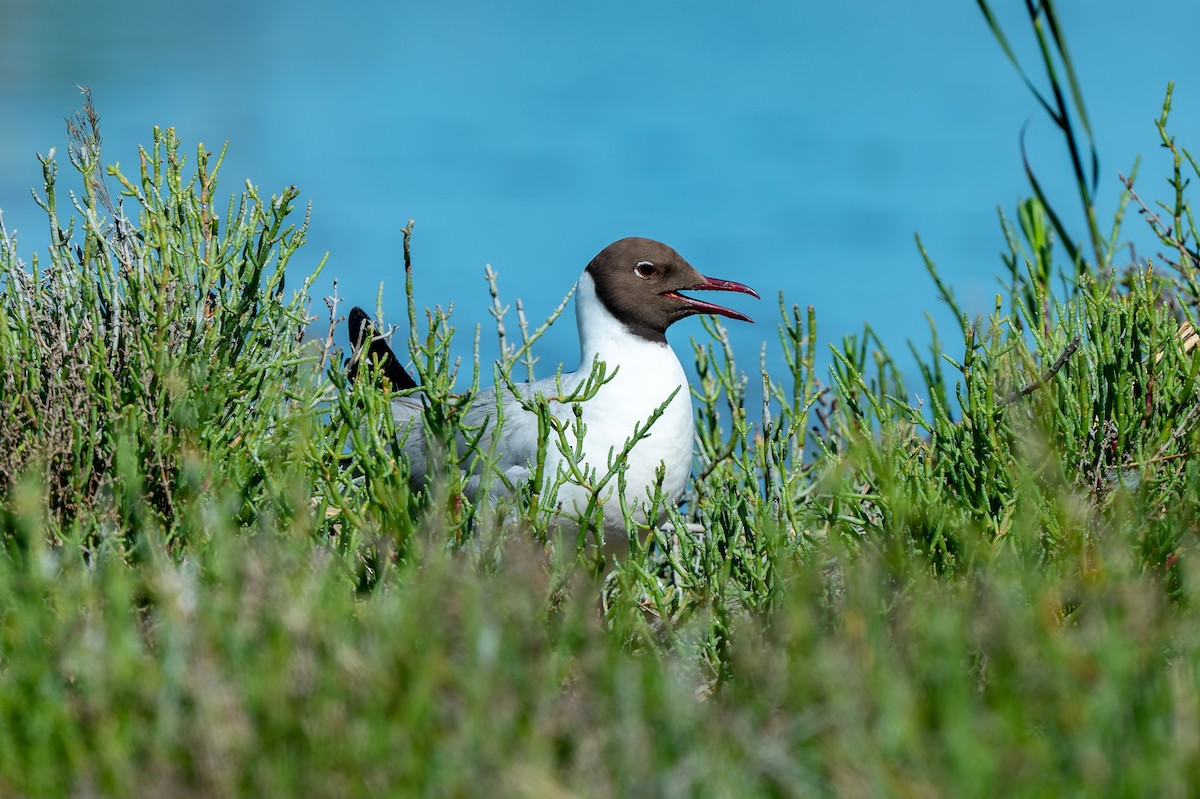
(645, 270)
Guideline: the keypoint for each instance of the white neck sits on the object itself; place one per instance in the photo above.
(602, 336)
(644, 374)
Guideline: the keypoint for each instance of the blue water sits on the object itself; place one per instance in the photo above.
(793, 146)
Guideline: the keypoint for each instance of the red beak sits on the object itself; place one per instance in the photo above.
(714, 284)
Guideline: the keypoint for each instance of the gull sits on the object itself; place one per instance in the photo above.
(626, 298)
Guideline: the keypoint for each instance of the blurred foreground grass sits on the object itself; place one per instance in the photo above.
(215, 580)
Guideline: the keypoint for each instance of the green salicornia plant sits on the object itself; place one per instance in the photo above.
(971, 577)
(157, 335)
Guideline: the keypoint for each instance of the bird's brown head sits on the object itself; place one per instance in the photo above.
(639, 282)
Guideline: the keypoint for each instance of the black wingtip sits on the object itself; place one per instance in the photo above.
(358, 323)
(362, 330)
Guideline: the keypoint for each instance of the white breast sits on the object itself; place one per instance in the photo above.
(644, 375)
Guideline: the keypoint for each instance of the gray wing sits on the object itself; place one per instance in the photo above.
(510, 449)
